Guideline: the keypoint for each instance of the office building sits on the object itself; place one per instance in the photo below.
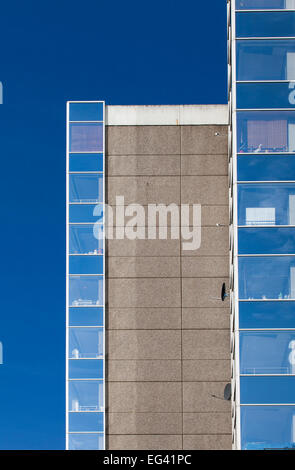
(170, 347)
(167, 341)
(262, 52)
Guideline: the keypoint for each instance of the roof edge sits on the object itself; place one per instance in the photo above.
(167, 115)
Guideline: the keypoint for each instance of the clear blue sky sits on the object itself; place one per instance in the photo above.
(131, 52)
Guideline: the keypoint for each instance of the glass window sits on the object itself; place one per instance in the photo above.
(86, 422)
(265, 278)
(266, 204)
(86, 137)
(267, 314)
(265, 95)
(86, 291)
(86, 264)
(267, 390)
(83, 240)
(86, 395)
(268, 427)
(86, 188)
(265, 131)
(86, 369)
(266, 59)
(266, 167)
(86, 441)
(264, 4)
(86, 111)
(86, 162)
(86, 343)
(86, 213)
(267, 352)
(265, 24)
(270, 240)
(86, 316)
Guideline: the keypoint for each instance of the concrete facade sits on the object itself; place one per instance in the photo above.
(168, 335)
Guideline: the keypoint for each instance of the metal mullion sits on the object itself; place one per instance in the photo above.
(263, 255)
(268, 38)
(267, 182)
(266, 81)
(278, 10)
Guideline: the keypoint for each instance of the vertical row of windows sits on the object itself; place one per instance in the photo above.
(85, 388)
(264, 123)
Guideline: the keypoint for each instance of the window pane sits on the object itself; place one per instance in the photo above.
(86, 188)
(265, 95)
(270, 277)
(266, 204)
(86, 291)
(264, 4)
(86, 442)
(86, 111)
(83, 241)
(265, 131)
(267, 314)
(266, 167)
(270, 240)
(86, 368)
(86, 395)
(265, 24)
(86, 162)
(267, 352)
(86, 316)
(85, 422)
(267, 390)
(86, 213)
(268, 427)
(86, 343)
(86, 137)
(86, 264)
(266, 59)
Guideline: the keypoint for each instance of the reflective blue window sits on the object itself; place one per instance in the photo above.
(86, 111)
(266, 59)
(85, 273)
(86, 213)
(265, 131)
(86, 137)
(267, 390)
(268, 427)
(265, 95)
(270, 240)
(85, 264)
(266, 167)
(83, 241)
(267, 352)
(86, 395)
(86, 291)
(267, 314)
(86, 369)
(86, 188)
(265, 24)
(86, 161)
(266, 204)
(271, 277)
(86, 422)
(86, 316)
(86, 441)
(264, 4)
(85, 343)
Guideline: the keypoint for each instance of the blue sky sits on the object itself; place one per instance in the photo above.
(132, 52)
